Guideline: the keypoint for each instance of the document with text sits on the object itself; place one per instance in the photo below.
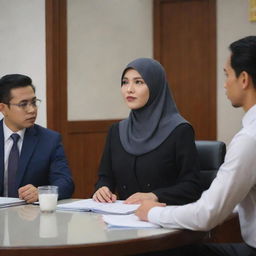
(127, 221)
(117, 207)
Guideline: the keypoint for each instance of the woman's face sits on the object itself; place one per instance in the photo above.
(134, 89)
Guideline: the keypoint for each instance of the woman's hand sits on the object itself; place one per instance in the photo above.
(137, 198)
(104, 195)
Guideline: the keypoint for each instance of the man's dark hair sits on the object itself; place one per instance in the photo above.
(243, 57)
(12, 81)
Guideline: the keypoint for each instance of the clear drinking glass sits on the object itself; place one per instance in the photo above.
(48, 196)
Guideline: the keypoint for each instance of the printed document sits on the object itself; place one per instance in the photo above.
(127, 221)
(86, 205)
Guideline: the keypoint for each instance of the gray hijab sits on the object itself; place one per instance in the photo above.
(146, 128)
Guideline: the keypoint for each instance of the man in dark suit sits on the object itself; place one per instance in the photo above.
(40, 159)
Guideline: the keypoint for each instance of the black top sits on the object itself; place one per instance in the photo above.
(171, 171)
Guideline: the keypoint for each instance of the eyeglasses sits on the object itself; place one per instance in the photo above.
(25, 104)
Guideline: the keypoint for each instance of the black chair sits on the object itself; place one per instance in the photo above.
(211, 156)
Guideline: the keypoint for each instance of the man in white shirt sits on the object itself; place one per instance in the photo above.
(235, 184)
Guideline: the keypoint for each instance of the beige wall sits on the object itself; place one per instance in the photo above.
(232, 24)
(104, 36)
(22, 44)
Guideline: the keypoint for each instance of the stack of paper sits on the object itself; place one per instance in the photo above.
(10, 201)
(127, 221)
(116, 215)
(86, 205)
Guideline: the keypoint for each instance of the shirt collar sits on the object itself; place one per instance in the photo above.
(250, 116)
(8, 132)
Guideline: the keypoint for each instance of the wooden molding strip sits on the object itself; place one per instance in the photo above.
(56, 64)
(93, 126)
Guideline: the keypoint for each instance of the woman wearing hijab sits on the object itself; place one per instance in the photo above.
(152, 153)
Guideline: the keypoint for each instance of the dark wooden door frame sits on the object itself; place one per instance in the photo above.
(56, 65)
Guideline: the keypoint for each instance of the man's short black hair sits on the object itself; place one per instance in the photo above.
(12, 81)
(243, 56)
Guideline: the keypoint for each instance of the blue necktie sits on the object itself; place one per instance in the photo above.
(13, 162)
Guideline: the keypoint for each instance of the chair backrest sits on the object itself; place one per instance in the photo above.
(211, 156)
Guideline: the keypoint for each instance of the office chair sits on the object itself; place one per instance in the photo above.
(211, 156)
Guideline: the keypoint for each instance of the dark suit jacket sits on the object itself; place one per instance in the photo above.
(171, 171)
(42, 161)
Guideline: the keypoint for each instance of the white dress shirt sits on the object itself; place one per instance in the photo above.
(8, 142)
(235, 184)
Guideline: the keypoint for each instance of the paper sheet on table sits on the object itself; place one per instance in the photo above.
(127, 221)
(117, 207)
(10, 201)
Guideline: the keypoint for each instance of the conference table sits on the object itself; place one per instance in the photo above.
(27, 231)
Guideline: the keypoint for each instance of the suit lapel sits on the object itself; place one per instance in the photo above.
(1, 157)
(28, 147)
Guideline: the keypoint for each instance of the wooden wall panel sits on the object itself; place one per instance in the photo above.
(227, 232)
(185, 43)
(85, 145)
(84, 151)
(56, 65)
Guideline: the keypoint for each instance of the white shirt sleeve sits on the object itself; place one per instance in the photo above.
(234, 180)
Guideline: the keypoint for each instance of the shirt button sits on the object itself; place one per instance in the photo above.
(124, 186)
(148, 185)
